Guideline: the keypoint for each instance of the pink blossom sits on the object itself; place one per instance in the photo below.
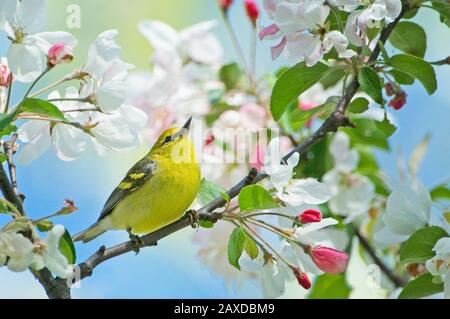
(225, 4)
(329, 260)
(59, 53)
(268, 31)
(5, 75)
(302, 278)
(399, 100)
(310, 216)
(252, 10)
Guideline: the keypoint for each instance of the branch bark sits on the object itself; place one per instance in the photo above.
(337, 119)
(396, 280)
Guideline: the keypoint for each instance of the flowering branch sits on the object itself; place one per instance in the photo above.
(337, 119)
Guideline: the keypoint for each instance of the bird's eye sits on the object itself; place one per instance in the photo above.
(167, 139)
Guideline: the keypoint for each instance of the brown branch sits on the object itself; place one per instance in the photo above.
(337, 119)
(8, 147)
(396, 280)
(445, 61)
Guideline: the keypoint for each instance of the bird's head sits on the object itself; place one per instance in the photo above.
(175, 144)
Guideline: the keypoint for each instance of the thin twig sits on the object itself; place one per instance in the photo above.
(9, 151)
(397, 281)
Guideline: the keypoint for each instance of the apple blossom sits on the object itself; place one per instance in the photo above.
(252, 10)
(359, 20)
(439, 265)
(59, 53)
(16, 251)
(310, 216)
(307, 235)
(273, 277)
(5, 73)
(225, 4)
(302, 278)
(194, 43)
(408, 208)
(329, 260)
(49, 255)
(304, 32)
(352, 193)
(22, 20)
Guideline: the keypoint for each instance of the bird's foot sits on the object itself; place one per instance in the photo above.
(136, 241)
(193, 216)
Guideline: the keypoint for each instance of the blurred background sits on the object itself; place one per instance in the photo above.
(172, 269)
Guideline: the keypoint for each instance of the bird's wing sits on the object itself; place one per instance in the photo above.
(135, 178)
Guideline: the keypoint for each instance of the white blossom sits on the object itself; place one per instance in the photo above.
(408, 209)
(50, 256)
(22, 21)
(16, 251)
(439, 265)
(173, 48)
(273, 277)
(351, 193)
(303, 31)
(369, 16)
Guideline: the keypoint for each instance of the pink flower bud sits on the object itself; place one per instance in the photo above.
(225, 4)
(302, 278)
(389, 89)
(252, 10)
(329, 260)
(5, 75)
(310, 216)
(209, 139)
(399, 100)
(59, 53)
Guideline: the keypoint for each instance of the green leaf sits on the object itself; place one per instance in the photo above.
(441, 192)
(41, 107)
(370, 83)
(67, 248)
(386, 126)
(230, 75)
(299, 117)
(421, 287)
(10, 128)
(443, 8)
(417, 68)
(255, 197)
(236, 246)
(250, 247)
(205, 223)
(209, 191)
(6, 207)
(419, 247)
(332, 77)
(329, 286)
(292, 83)
(402, 77)
(44, 225)
(5, 120)
(366, 133)
(410, 38)
(358, 105)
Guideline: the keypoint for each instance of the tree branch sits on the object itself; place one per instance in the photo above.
(397, 281)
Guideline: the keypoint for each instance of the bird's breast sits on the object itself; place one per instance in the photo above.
(160, 200)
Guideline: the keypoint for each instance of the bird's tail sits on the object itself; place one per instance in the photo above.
(91, 233)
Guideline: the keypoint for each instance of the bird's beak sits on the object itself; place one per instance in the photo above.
(187, 124)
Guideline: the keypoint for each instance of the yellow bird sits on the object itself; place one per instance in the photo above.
(155, 192)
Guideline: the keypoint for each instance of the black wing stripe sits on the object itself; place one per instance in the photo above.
(134, 179)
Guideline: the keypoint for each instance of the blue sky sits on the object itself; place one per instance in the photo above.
(172, 269)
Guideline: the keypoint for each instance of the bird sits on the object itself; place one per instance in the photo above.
(155, 192)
